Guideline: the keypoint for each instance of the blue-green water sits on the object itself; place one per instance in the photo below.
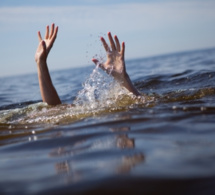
(103, 140)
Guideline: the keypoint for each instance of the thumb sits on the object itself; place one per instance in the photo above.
(44, 45)
(96, 62)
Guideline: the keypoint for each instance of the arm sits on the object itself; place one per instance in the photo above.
(115, 63)
(47, 90)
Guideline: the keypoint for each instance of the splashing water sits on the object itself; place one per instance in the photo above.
(100, 94)
(99, 91)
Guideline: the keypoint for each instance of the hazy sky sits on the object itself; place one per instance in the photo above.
(148, 27)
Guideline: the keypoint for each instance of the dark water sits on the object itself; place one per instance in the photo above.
(109, 142)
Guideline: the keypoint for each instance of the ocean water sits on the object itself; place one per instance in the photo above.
(103, 140)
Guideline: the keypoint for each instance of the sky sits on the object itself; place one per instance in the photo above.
(148, 27)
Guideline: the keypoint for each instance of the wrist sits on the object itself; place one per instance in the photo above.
(42, 66)
(126, 79)
(123, 78)
(40, 58)
(40, 62)
(126, 82)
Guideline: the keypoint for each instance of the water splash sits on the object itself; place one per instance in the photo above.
(100, 94)
(99, 91)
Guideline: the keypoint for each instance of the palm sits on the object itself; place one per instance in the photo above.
(114, 64)
(46, 44)
(49, 44)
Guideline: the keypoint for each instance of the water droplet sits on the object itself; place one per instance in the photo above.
(174, 107)
(202, 108)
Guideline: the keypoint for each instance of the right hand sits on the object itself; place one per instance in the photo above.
(45, 45)
(115, 63)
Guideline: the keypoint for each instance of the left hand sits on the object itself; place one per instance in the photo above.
(45, 45)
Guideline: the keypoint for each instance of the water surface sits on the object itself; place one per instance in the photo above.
(103, 140)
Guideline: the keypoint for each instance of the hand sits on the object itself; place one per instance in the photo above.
(115, 63)
(45, 45)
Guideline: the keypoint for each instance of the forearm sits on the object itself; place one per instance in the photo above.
(47, 90)
(126, 82)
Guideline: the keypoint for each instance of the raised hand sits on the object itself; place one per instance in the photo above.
(115, 63)
(47, 89)
(46, 44)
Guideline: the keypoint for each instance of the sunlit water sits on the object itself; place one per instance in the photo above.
(103, 140)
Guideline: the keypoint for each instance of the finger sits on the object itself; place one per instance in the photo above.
(39, 36)
(55, 32)
(117, 43)
(44, 45)
(97, 63)
(52, 39)
(54, 35)
(123, 49)
(112, 44)
(47, 32)
(105, 44)
(52, 30)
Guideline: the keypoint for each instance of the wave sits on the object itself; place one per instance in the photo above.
(102, 95)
